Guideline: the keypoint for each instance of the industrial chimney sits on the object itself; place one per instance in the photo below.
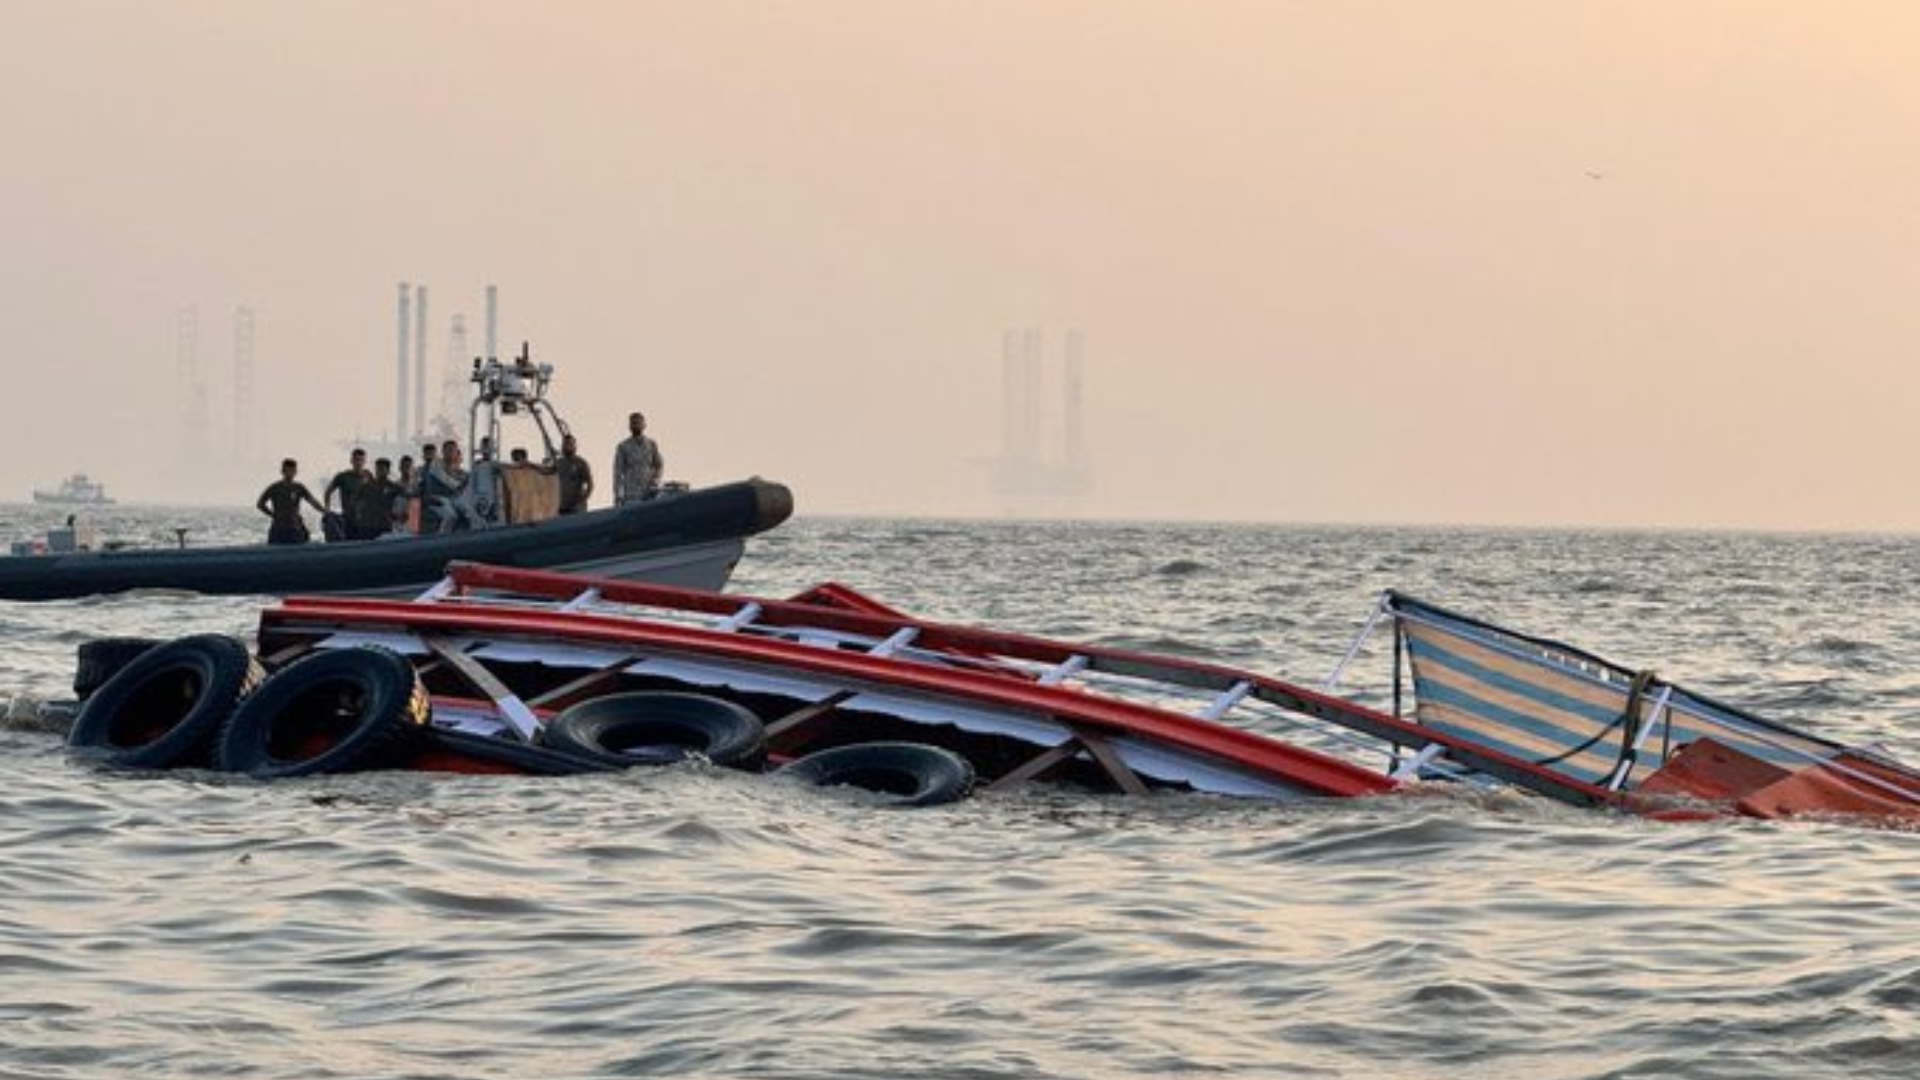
(419, 363)
(400, 407)
(493, 321)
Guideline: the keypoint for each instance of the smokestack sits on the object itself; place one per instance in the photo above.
(400, 407)
(193, 393)
(493, 322)
(419, 361)
(1075, 434)
(1030, 396)
(1009, 393)
(456, 375)
(243, 384)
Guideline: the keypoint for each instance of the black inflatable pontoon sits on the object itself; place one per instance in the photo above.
(691, 538)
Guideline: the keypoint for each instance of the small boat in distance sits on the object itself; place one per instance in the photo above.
(75, 490)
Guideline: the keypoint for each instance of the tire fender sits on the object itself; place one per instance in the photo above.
(167, 705)
(659, 728)
(338, 710)
(906, 773)
(101, 659)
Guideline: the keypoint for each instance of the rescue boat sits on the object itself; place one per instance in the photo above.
(693, 537)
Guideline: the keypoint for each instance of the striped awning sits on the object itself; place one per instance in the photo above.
(1567, 709)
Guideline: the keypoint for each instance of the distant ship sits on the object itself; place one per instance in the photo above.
(75, 490)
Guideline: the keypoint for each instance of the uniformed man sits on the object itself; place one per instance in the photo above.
(637, 464)
(348, 482)
(281, 502)
(576, 477)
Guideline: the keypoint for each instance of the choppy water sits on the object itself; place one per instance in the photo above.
(693, 923)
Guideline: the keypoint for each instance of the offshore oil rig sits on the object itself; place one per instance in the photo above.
(1041, 468)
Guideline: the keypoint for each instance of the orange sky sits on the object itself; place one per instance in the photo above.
(1636, 264)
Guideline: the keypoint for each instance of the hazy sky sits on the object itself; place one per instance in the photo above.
(1534, 263)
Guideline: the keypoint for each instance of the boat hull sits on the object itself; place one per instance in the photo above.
(836, 688)
(794, 672)
(690, 539)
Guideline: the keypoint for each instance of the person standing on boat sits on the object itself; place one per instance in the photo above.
(281, 502)
(446, 494)
(637, 464)
(576, 477)
(406, 491)
(348, 482)
(370, 512)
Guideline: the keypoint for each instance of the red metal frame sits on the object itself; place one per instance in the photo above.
(838, 608)
(1307, 769)
(872, 618)
(981, 674)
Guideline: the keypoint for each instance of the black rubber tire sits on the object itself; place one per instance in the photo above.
(337, 710)
(518, 756)
(101, 659)
(167, 705)
(910, 774)
(659, 728)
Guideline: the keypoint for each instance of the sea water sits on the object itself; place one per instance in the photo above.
(689, 922)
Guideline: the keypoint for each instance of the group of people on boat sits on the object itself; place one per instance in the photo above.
(438, 494)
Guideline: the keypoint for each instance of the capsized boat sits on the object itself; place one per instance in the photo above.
(502, 669)
(692, 538)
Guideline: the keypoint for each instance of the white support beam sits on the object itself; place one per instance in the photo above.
(734, 622)
(1232, 696)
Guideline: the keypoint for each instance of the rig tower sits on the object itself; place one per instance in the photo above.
(419, 363)
(243, 447)
(193, 392)
(493, 322)
(400, 400)
(1034, 474)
